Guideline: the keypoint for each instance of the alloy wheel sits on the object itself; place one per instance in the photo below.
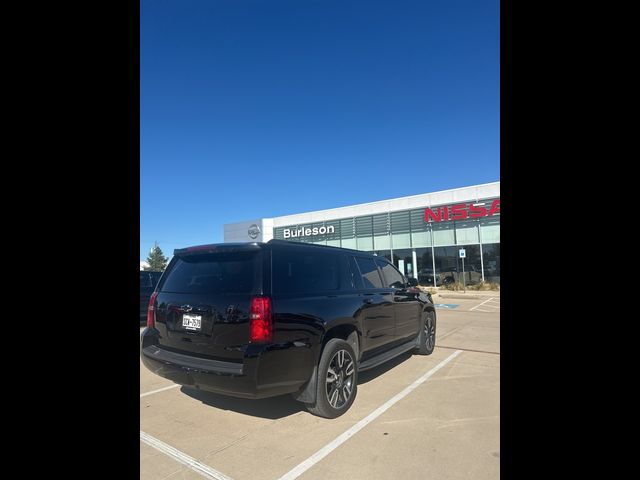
(430, 332)
(339, 381)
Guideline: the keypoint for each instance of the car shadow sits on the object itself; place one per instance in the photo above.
(272, 408)
(282, 406)
(368, 375)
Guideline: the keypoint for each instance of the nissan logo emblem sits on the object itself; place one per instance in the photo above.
(254, 231)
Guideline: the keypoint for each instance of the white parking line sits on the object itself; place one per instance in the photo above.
(327, 449)
(204, 470)
(480, 304)
(489, 305)
(176, 385)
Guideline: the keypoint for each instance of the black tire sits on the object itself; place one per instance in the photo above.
(427, 337)
(334, 397)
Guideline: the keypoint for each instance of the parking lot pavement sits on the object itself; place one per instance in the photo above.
(447, 427)
(490, 305)
(155, 464)
(483, 305)
(470, 331)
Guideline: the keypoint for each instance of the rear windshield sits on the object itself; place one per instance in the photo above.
(214, 273)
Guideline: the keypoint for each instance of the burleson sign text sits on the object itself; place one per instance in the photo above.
(461, 211)
(307, 232)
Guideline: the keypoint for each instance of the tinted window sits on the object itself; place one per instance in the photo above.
(356, 278)
(145, 280)
(346, 277)
(391, 275)
(214, 273)
(370, 275)
(155, 277)
(305, 272)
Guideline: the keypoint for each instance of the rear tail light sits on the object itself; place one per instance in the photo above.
(151, 310)
(260, 320)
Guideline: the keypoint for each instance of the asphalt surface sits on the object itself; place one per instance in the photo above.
(445, 423)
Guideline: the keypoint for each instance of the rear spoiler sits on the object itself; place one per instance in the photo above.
(217, 248)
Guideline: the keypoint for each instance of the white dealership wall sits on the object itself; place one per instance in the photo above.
(239, 232)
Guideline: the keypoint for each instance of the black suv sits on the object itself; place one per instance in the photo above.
(256, 320)
(148, 282)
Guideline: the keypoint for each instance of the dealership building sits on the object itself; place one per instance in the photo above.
(420, 234)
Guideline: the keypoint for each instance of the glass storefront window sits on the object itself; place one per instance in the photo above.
(425, 266)
(421, 239)
(491, 260)
(381, 242)
(420, 230)
(393, 235)
(348, 233)
(365, 243)
(490, 229)
(401, 240)
(449, 265)
(384, 253)
(467, 232)
(349, 243)
(443, 233)
(400, 230)
(381, 239)
(364, 233)
(403, 260)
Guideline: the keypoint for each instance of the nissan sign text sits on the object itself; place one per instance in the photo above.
(460, 211)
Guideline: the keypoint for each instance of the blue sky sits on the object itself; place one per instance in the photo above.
(261, 108)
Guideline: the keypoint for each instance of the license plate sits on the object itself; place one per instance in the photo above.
(191, 322)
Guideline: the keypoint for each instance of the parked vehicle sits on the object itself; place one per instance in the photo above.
(471, 275)
(256, 320)
(426, 277)
(148, 282)
(449, 275)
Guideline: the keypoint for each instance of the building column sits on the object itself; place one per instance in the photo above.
(415, 264)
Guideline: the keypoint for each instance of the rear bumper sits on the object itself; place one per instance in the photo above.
(227, 378)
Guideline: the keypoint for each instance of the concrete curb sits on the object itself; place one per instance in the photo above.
(462, 296)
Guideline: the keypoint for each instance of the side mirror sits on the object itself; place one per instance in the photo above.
(413, 282)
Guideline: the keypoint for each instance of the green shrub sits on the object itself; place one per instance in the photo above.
(479, 286)
(455, 286)
(484, 286)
